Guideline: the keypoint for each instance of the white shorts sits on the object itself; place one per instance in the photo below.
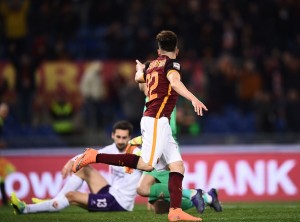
(159, 147)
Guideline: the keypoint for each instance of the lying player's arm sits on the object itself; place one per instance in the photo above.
(174, 78)
(67, 169)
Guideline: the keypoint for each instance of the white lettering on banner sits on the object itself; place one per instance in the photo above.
(246, 176)
(221, 177)
(241, 177)
(46, 184)
(19, 178)
(263, 178)
(41, 186)
(278, 176)
(198, 177)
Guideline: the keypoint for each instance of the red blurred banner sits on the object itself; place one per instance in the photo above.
(242, 177)
(54, 77)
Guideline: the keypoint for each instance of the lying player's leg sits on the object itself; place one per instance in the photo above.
(47, 206)
(192, 197)
(102, 201)
(93, 178)
(145, 183)
(67, 194)
(73, 183)
(78, 198)
(197, 198)
(154, 184)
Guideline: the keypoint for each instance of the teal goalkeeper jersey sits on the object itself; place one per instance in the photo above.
(173, 123)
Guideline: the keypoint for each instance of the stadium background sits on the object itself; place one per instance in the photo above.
(240, 57)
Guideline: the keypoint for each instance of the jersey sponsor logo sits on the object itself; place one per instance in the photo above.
(176, 65)
(101, 203)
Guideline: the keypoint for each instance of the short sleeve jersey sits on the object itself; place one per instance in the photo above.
(162, 97)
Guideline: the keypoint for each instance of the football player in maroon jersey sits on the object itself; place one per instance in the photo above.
(159, 149)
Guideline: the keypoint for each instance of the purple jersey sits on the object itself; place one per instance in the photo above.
(162, 97)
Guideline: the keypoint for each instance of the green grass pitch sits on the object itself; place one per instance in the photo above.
(233, 212)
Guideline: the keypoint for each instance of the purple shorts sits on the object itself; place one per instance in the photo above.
(103, 201)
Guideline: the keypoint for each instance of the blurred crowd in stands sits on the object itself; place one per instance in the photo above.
(249, 51)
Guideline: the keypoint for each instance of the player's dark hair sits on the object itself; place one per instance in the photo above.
(123, 125)
(167, 40)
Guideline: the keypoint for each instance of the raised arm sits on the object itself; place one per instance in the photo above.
(180, 88)
(139, 75)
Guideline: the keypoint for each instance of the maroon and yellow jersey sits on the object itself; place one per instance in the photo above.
(162, 97)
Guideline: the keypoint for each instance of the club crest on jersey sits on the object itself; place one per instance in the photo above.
(176, 65)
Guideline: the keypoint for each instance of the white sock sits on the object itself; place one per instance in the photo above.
(73, 183)
(52, 205)
(207, 198)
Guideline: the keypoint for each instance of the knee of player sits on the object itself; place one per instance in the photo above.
(142, 191)
(144, 166)
(177, 167)
(148, 168)
(86, 172)
(182, 167)
(70, 196)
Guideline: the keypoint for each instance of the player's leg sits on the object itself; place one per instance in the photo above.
(73, 183)
(147, 181)
(154, 185)
(129, 160)
(175, 183)
(144, 185)
(156, 133)
(78, 198)
(92, 156)
(159, 187)
(93, 178)
(190, 197)
(166, 144)
(175, 164)
(46, 206)
(95, 181)
(156, 182)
